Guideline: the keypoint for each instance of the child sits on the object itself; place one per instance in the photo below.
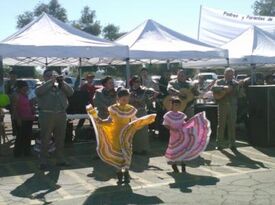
(115, 134)
(187, 139)
(24, 116)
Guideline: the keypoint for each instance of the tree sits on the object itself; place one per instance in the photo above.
(87, 22)
(53, 8)
(111, 32)
(24, 19)
(57, 11)
(264, 7)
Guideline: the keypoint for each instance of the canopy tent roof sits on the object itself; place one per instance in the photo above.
(253, 46)
(151, 40)
(48, 40)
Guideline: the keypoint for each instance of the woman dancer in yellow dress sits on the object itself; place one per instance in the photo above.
(115, 134)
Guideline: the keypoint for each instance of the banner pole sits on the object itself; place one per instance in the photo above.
(2, 89)
(199, 24)
(127, 72)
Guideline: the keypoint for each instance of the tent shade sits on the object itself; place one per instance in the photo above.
(51, 38)
(253, 46)
(151, 40)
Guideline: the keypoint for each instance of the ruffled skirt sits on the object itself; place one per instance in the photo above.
(191, 141)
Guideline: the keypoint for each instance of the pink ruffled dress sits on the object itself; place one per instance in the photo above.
(190, 140)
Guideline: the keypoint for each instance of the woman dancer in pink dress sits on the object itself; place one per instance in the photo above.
(187, 139)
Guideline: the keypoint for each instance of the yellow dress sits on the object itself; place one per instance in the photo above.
(114, 140)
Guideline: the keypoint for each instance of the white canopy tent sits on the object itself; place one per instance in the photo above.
(48, 41)
(152, 41)
(253, 46)
(217, 27)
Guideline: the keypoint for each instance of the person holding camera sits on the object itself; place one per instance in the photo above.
(52, 98)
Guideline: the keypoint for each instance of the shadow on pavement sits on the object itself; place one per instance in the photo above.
(38, 186)
(139, 163)
(120, 195)
(237, 159)
(270, 151)
(102, 171)
(198, 162)
(184, 181)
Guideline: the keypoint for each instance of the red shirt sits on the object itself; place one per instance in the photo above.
(24, 108)
(90, 89)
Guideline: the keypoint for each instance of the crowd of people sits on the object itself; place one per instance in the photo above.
(120, 117)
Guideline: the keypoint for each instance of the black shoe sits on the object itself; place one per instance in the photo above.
(141, 152)
(218, 148)
(233, 148)
(119, 177)
(183, 168)
(126, 177)
(62, 164)
(43, 167)
(175, 168)
(28, 154)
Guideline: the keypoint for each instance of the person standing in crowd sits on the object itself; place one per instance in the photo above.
(115, 134)
(175, 86)
(269, 80)
(163, 83)
(187, 139)
(228, 90)
(90, 89)
(10, 90)
(52, 98)
(139, 98)
(105, 97)
(24, 115)
(146, 79)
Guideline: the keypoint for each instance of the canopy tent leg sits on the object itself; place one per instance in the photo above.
(227, 62)
(80, 71)
(127, 72)
(46, 63)
(253, 77)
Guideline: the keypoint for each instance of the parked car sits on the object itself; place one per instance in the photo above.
(120, 83)
(70, 80)
(241, 77)
(155, 78)
(32, 84)
(220, 76)
(97, 83)
(206, 76)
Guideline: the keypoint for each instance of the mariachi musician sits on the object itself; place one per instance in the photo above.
(105, 97)
(139, 98)
(185, 90)
(226, 92)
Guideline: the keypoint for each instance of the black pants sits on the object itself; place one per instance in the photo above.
(81, 123)
(23, 139)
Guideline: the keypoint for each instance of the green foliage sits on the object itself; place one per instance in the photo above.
(111, 32)
(264, 7)
(24, 19)
(87, 16)
(94, 29)
(53, 8)
(87, 22)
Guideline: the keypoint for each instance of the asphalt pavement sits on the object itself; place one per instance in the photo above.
(245, 176)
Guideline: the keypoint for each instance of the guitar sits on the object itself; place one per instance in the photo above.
(222, 92)
(185, 95)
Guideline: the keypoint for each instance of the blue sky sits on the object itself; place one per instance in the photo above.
(179, 15)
